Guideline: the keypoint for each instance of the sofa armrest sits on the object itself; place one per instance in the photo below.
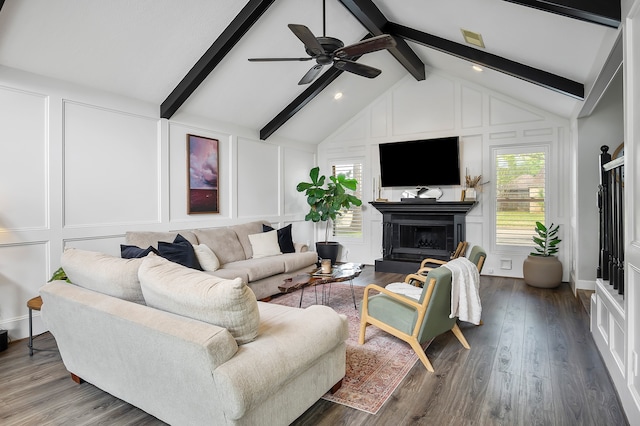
(300, 247)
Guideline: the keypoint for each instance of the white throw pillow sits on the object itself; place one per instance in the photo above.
(195, 294)
(265, 244)
(206, 257)
(405, 289)
(103, 273)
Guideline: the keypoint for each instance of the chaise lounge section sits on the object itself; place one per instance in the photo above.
(265, 368)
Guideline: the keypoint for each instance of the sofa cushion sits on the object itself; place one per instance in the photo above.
(180, 251)
(295, 261)
(133, 252)
(207, 258)
(285, 239)
(151, 238)
(226, 303)
(103, 273)
(256, 269)
(243, 231)
(224, 243)
(265, 244)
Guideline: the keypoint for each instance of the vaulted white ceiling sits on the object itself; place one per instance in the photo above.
(143, 49)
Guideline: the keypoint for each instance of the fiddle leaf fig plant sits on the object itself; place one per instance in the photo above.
(326, 201)
(547, 240)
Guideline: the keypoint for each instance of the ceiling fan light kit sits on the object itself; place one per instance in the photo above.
(332, 51)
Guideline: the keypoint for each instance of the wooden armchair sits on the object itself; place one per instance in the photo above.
(477, 256)
(459, 251)
(413, 321)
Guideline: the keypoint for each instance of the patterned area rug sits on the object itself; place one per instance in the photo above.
(374, 369)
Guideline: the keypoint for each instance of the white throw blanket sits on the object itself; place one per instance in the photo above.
(465, 297)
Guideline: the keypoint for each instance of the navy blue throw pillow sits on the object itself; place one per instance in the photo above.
(179, 251)
(285, 241)
(134, 252)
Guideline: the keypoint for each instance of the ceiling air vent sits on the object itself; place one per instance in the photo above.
(472, 38)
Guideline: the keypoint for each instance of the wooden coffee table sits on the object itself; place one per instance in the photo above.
(339, 273)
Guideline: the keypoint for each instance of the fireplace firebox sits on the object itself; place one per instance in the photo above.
(415, 229)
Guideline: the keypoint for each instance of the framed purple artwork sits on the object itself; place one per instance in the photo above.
(202, 166)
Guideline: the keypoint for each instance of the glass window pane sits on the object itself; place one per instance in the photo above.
(520, 196)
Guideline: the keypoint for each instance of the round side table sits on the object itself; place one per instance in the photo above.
(33, 304)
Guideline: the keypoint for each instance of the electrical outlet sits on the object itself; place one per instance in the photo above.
(489, 270)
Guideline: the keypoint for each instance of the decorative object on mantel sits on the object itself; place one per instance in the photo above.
(472, 187)
(325, 203)
(542, 268)
(378, 190)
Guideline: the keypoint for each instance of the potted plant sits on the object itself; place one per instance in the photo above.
(325, 202)
(542, 267)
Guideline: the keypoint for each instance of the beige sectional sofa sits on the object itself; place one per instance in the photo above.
(232, 247)
(188, 347)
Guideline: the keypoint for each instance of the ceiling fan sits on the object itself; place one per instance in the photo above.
(331, 51)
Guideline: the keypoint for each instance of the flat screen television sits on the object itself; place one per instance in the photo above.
(424, 162)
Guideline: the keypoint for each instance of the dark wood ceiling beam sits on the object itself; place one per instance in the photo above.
(480, 57)
(603, 12)
(248, 16)
(375, 22)
(304, 98)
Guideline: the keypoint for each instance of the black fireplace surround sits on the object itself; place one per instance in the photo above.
(416, 228)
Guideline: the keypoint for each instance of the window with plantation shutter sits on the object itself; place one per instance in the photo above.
(520, 176)
(349, 223)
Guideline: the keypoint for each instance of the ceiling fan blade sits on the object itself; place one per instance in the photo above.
(306, 36)
(311, 74)
(356, 68)
(279, 59)
(383, 41)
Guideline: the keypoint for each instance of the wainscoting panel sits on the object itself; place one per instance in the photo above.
(23, 155)
(19, 282)
(428, 104)
(258, 179)
(296, 167)
(111, 167)
(471, 106)
(503, 112)
(379, 122)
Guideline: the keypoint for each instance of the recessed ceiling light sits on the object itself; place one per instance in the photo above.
(477, 68)
(472, 38)
(337, 96)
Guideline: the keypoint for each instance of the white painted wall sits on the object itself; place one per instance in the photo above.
(79, 168)
(605, 126)
(445, 106)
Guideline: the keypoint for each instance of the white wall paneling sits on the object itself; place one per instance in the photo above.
(111, 170)
(80, 167)
(23, 269)
(427, 104)
(443, 106)
(258, 179)
(296, 167)
(24, 160)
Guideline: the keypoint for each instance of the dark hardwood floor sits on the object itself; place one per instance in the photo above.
(532, 362)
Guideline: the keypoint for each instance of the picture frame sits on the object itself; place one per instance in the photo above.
(202, 175)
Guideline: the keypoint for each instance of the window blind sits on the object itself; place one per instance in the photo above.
(349, 223)
(520, 196)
